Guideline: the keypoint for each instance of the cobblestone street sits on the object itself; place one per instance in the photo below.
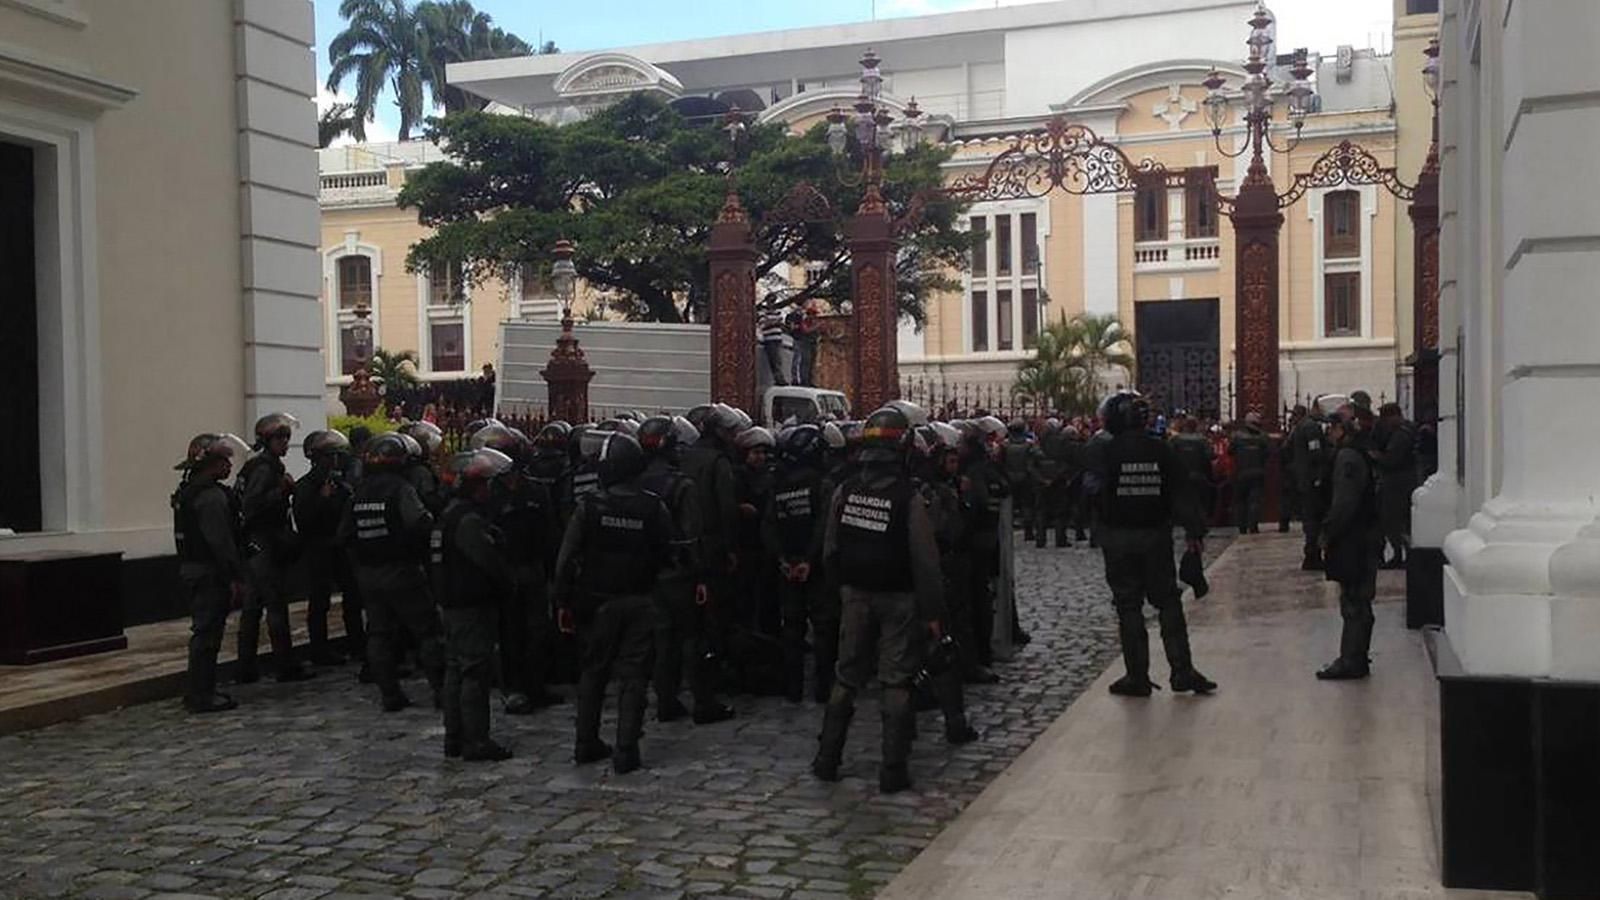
(310, 792)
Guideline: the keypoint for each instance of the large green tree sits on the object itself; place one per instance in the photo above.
(406, 47)
(637, 188)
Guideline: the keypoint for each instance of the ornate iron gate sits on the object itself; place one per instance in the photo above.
(1177, 344)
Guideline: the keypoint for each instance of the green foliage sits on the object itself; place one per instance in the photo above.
(406, 48)
(394, 368)
(336, 121)
(637, 188)
(375, 423)
(1071, 363)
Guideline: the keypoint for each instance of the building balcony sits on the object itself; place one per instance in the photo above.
(376, 188)
(1181, 255)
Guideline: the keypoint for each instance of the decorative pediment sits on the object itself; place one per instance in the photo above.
(1168, 75)
(607, 75)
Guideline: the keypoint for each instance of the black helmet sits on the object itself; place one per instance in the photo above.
(1017, 426)
(803, 445)
(508, 441)
(326, 443)
(697, 416)
(885, 436)
(425, 433)
(552, 438)
(914, 414)
(754, 437)
(626, 426)
(1124, 411)
(481, 464)
(721, 417)
(208, 446)
(387, 450)
(618, 458)
(658, 436)
(575, 442)
(273, 425)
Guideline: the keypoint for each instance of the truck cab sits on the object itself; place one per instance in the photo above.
(786, 405)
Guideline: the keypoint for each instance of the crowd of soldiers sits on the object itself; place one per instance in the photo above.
(652, 552)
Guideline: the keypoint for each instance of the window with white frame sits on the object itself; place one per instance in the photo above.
(1343, 257)
(1004, 290)
(445, 320)
(352, 287)
(536, 298)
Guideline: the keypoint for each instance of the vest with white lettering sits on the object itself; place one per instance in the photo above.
(873, 536)
(380, 537)
(1135, 493)
(795, 505)
(625, 543)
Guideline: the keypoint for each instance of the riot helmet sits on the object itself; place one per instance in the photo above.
(697, 416)
(508, 441)
(625, 426)
(833, 436)
(320, 444)
(687, 432)
(915, 415)
(1124, 411)
(618, 457)
(413, 449)
(425, 433)
(1017, 427)
(804, 445)
(477, 466)
(274, 425)
(387, 451)
(884, 437)
(208, 446)
(658, 436)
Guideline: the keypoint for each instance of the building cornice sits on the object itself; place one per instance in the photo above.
(21, 68)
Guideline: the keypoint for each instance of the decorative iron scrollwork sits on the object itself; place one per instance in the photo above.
(803, 205)
(1070, 158)
(1346, 163)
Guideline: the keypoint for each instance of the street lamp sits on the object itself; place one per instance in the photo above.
(873, 124)
(1430, 72)
(564, 277)
(1257, 91)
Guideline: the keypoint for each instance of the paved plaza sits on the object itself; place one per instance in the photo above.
(310, 792)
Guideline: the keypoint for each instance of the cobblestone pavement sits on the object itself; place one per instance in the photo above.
(310, 792)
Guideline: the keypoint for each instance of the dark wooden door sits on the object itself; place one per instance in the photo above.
(1177, 345)
(20, 507)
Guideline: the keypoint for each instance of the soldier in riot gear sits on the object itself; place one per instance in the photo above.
(1049, 473)
(616, 545)
(522, 509)
(1249, 449)
(1138, 480)
(1014, 458)
(793, 528)
(471, 580)
(205, 518)
(1395, 456)
(419, 466)
(387, 529)
(680, 594)
(986, 488)
(940, 484)
(708, 464)
(881, 543)
(1309, 457)
(1352, 537)
(320, 498)
(265, 489)
(1195, 456)
(752, 478)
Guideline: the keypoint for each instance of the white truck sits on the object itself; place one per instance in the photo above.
(646, 366)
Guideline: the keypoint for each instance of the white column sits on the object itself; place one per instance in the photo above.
(279, 233)
(1522, 590)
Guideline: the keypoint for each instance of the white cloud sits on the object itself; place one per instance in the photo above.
(378, 130)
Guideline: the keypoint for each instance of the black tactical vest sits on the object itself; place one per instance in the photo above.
(625, 541)
(585, 481)
(380, 537)
(1194, 453)
(524, 515)
(191, 544)
(457, 580)
(1135, 494)
(796, 506)
(275, 518)
(874, 537)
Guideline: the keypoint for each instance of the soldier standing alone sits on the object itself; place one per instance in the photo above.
(1138, 479)
(1353, 540)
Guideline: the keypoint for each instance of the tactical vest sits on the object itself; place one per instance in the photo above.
(1251, 453)
(275, 519)
(1135, 494)
(191, 544)
(874, 537)
(796, 507)
(1368, 514)
(624, 543)
(524, 515)
(585, 481)
(380, 537)
(1194, 453)
(457, 580)
(1015, 455)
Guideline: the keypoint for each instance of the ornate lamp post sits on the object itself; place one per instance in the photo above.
(567, 375)
(870, 237)
(1256, 215)
(1425, 236)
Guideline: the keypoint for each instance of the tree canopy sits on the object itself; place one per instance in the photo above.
(637, 187)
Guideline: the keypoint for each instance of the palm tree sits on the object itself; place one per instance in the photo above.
(335, 122)
(383, 41)
(1069, 360)
(459, 33)
(395, 369)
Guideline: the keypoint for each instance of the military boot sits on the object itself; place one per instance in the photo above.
(630, 726)
(589, 748)
(830, 744)
(894, 774)
(1135, 654)
(952, 703)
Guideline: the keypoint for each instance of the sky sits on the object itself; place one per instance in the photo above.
(601, 24)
